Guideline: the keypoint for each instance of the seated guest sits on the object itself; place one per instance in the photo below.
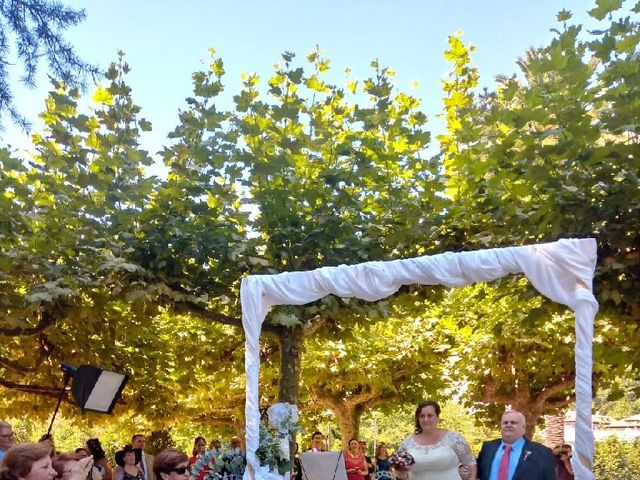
(381, 463)
(354, 462)
(564, 470)
(199, 447)
(370, 467)
(146, 460)
(216, 446)
(82, 452)
(235, 445)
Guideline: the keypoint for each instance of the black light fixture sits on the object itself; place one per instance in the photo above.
(93, 389)
(97, 390)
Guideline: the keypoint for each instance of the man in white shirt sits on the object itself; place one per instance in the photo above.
(316, 442)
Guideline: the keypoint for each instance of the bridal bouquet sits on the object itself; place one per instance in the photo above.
(273, 446)
(401, 460)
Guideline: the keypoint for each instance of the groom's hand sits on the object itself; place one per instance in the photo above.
(465, 472)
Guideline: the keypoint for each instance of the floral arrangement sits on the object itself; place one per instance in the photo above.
(283, 417)
(401, 460)
(214, 465)
(232, 462)
(270, 452)
(273, 449)
(207, 467)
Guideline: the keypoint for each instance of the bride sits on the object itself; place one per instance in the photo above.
(438, 453)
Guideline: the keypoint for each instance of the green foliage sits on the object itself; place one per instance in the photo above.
(552, 153)
(158, 441)
(620, 400)
(207, 466)
(616, 460)
(270, 452)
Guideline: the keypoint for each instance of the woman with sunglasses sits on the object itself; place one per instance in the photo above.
(171, 464)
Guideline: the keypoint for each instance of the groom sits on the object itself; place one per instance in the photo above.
(513, 457)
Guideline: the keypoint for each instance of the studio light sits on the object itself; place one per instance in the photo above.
(96, 390)
(93, 389)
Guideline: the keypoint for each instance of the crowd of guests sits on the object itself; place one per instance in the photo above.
(38, 461)
(435, 454)
(41, 461)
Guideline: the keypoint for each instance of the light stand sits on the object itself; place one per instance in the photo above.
(68, 373)
(93, 389)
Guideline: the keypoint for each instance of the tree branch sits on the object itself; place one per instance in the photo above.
(15, 366)
(203, 313)
(551, 390)
(489, 393)
(34, 389)
(46, 319)
(561, 402)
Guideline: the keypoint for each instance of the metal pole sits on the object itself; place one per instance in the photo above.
(67, 377)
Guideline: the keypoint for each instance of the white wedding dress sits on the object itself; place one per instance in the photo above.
(441, 460)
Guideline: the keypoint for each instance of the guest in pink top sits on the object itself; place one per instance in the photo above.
(355, 462)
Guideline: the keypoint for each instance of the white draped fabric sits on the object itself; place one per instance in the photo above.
(562, 271)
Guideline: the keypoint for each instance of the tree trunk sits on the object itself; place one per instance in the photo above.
(349, 421)
(290, 341)
(531, 415)
(290, 346)
(554, 430)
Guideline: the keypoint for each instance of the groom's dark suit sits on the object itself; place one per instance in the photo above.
(536, 461)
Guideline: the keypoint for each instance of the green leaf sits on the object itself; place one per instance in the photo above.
(604, 7)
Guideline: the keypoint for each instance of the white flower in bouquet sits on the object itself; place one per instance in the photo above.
(284, 418)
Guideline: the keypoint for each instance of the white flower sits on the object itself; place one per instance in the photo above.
(282, 416)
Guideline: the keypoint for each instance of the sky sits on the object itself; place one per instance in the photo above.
(165, 41)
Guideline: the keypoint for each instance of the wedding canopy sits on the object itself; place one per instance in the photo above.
(562, 271)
